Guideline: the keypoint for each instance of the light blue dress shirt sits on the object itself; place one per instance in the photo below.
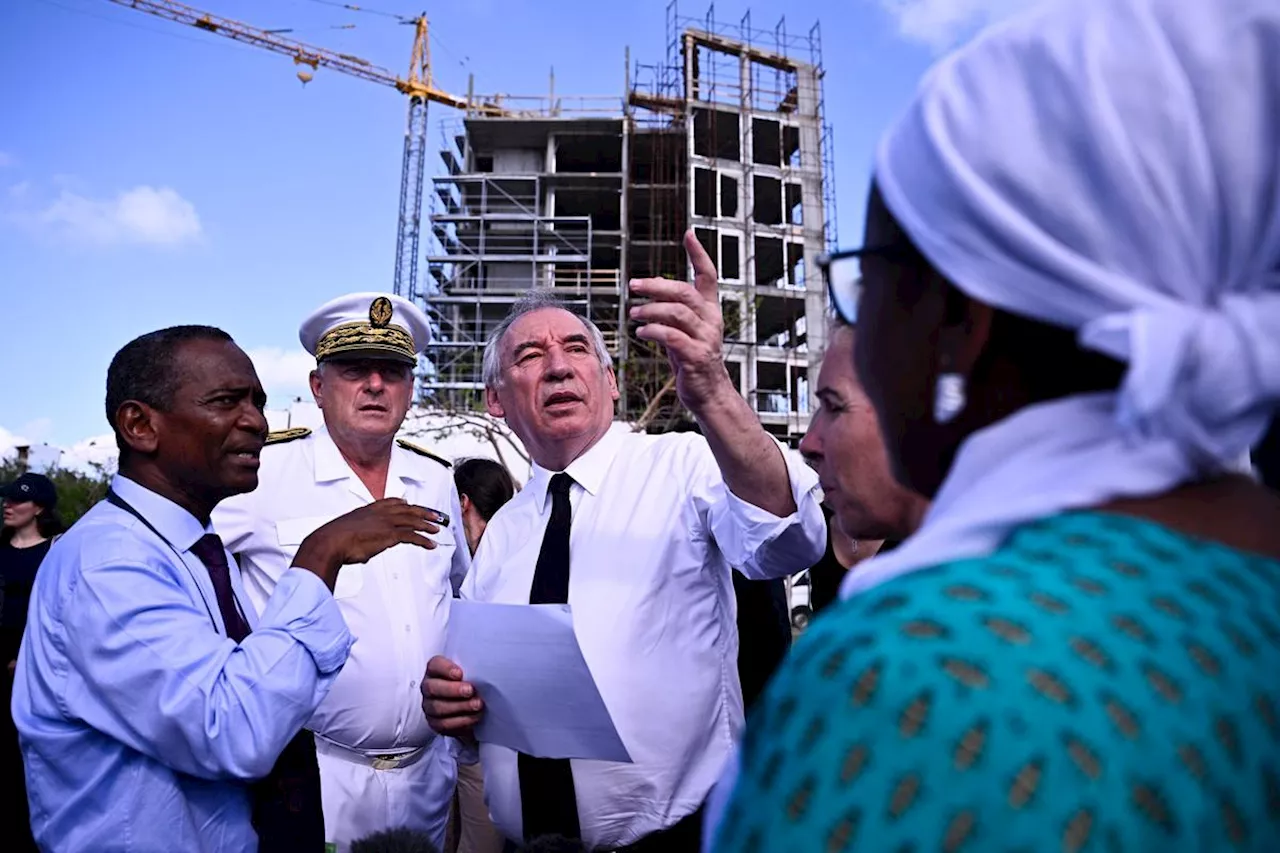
(140, 722)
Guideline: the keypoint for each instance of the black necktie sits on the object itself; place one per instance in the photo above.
(210, 551)
(286, 812)
(549, 804)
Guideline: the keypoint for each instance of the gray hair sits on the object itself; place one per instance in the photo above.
(534, 300)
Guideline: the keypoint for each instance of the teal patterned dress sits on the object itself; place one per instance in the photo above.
(1100, 683)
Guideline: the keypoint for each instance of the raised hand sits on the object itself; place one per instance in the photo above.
(686, 320)
(449, 703)
(363, 533)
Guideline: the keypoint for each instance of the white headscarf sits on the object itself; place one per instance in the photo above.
(1113, 167)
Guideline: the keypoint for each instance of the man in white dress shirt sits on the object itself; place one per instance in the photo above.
(657, 522)
(381, 766)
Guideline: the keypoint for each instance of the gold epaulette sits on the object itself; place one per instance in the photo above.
(283, 435)
(422, 451)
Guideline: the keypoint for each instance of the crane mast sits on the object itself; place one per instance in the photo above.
(417, 85)
(409, 228)
(410, 225)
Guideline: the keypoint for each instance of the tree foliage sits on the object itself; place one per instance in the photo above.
(76, 491)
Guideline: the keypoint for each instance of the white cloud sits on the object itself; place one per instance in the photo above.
(88, 456)
(142, 215)
(283, 373)
(92, 455)
(940, 24)
(36, 430)
(10, 440)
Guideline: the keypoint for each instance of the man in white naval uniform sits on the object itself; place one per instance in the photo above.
(381, 766)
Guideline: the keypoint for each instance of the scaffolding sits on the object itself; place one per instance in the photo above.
(725, 135)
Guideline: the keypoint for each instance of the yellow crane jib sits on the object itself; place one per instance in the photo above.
(417, 85)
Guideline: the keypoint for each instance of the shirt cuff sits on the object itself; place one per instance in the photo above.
(465, 753)
(759, 526)
(303, 607)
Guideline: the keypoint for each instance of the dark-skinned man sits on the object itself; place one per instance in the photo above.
(157, 710)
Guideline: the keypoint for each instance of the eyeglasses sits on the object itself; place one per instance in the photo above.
(843, 272)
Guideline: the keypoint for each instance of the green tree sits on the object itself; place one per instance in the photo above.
(76, 491)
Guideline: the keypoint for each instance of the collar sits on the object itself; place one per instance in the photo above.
(174, 523)
(404, 465)
(328, 459)
(588, 470)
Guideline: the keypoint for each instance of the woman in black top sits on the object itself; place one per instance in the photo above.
(30, 524)
(843, 553)
(484, 487)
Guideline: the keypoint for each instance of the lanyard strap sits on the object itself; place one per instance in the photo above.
(115, 500)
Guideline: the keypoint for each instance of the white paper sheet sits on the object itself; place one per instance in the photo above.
(539, 696)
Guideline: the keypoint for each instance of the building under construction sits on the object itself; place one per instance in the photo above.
(581, 194)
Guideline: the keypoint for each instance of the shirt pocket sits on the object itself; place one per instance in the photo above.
(291, 531)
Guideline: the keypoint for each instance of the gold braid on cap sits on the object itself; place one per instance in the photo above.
(365, 336)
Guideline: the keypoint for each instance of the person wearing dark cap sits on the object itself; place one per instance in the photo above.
(30, 524)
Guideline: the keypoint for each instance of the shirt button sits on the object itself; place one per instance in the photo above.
(412, 684)
(406, 629)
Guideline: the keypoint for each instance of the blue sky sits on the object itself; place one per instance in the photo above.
(152, 174)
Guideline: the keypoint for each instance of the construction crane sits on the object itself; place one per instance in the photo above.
(417, 85)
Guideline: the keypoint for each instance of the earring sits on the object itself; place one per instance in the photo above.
(948, 397)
